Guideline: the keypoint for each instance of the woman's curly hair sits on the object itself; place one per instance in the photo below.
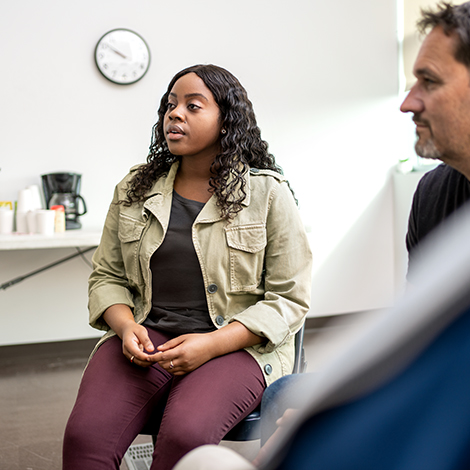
(241, 147)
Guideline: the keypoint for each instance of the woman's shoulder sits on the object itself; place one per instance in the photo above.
(121, 188)
(270, 176)
(129, 175)
(134, 168)
(271, 184)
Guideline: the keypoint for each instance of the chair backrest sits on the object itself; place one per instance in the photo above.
(300, 363)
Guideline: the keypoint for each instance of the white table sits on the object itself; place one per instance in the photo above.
(69, 238)
(87, 239)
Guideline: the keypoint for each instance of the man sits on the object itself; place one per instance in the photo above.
(440, 103)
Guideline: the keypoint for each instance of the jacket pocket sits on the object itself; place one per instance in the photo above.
(130, 233)
(246, 247)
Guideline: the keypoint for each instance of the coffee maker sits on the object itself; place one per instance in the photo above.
(63, 189)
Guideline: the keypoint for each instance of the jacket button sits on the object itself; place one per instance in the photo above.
(219, 320)
(212, 288)
(268, 369)
(254, 170)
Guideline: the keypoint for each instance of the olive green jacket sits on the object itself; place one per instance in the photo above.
(256, 268)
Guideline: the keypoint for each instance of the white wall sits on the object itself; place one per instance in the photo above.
(323, 77)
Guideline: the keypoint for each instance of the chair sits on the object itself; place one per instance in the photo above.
(249, 429)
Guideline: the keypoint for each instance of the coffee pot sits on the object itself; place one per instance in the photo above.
(63, 189)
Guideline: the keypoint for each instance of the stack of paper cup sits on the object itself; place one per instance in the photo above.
(45, 221)
(29, 202)
(31, 221)
(36, 205)
(24, 204)
(36, 197)
(6, 220)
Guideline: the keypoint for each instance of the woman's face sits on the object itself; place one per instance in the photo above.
(192, 119)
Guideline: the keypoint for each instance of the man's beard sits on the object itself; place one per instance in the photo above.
(427, 150)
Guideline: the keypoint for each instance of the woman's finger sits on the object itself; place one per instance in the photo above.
(139, 362)
(144, 339)
(172, 343)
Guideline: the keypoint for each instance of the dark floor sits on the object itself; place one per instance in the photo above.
(39, 382)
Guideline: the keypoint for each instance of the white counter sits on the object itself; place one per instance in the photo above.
(69, 238)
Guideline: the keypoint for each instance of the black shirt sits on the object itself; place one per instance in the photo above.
(179, 304)
(440, 193)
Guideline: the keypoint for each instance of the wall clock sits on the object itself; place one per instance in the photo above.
(122, 56)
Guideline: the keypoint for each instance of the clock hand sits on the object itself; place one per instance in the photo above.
(117, 51)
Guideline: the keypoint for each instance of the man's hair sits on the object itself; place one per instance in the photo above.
(453, 19)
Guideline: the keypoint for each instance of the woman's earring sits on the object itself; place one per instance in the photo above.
(224, 131)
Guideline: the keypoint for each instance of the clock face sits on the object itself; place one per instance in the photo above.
(122, 56)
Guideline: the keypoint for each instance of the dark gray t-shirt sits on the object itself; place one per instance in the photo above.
(179, 304)
(440, 193)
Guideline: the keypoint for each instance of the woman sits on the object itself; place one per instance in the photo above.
(202, 278)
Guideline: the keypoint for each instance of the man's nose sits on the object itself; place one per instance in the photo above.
(412, 103)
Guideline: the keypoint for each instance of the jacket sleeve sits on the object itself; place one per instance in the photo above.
(288, 270)
(108, 283)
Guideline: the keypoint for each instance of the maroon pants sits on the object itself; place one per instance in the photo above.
(117, 397)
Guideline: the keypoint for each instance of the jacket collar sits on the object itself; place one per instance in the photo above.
(164, 187)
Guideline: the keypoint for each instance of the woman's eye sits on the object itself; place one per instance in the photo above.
(170, 106)
(193, 106)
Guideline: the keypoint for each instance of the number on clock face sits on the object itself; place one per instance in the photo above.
(122, 56)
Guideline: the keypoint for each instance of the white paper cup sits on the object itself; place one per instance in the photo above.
(36, 197)
(45, 222)
(6, 221)
(31, 221)
(25, 201)
(21, 222)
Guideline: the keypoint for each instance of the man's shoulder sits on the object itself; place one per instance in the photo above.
(440, 173)
(440, 192)
(442, 181)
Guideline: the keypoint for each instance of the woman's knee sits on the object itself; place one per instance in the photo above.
(79, 433)
(89, 445)
(184, 434)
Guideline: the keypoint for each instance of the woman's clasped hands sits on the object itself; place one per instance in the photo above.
(178, 356)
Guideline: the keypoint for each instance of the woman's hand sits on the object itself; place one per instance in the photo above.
(179, 355)
(135, 338)
(185, 353)
(136, 344)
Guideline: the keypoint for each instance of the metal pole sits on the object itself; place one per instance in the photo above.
(22, 278)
